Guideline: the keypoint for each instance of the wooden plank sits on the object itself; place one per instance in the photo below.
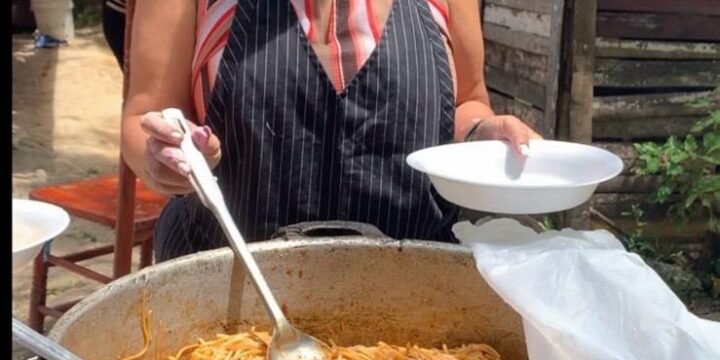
(552, 85)
(523, 64)
(502, 104)
(516, 39)
(665, 235)
(656, 73)
(536, 6)
(518, 20)
(708, 7)
(624, 150)
(640, 49)
(652, 105)
(631, 184)
(581, 93)
(583, 63)
(512, 85)
(658, 26)
(613, 205)
(643, 128)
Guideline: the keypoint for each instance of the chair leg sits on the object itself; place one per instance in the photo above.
(146, 252)
(125, 226)
(38, 291)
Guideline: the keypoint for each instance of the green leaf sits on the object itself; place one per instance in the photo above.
(711, 160)
(714, 226)
(698, 127)
(699, 103)
(674, 169)
(715, 115)
(690, 200)
(663, 193)
(705, 202)
(711, 141)
(652, 165)
(706, 124)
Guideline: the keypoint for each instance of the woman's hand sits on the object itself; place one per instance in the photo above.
(505, 127)
(165, 166)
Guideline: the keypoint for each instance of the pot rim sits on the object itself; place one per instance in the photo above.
(208, 256)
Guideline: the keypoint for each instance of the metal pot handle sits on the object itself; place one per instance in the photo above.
(311, 229)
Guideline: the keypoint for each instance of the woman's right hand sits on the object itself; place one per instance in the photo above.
(166, 169)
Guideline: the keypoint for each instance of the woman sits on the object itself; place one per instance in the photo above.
(309, 108)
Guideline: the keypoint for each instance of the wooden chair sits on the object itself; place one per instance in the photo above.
(118, 201)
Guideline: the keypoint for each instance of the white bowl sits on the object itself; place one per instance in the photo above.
(33, 224)
(489, 176)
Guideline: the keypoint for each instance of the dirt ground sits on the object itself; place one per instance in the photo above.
(66, 122)
(66, 117)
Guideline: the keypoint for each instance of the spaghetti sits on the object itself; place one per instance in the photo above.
(253, 345)
(145, 327)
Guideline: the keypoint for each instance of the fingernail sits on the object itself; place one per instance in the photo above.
(207, 130)
(201, 137)
(524, 150)
(184, 168)
(177, 135)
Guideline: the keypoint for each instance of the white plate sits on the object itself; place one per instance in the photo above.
(489, 176)
(33, 224)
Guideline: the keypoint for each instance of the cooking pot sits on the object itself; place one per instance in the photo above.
(355, 286)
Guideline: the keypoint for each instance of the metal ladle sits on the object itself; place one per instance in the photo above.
(287, 343)
(40, 345)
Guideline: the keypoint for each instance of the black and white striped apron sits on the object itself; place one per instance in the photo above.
(295, 150)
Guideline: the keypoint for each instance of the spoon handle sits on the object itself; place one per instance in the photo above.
(39, 344)
(202, 180)
(241, 250)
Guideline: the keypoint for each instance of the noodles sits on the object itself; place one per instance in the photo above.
(145, 326)
(252, 345)
(243, 346)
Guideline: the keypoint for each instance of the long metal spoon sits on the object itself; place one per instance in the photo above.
(40, 345)
(287, 343)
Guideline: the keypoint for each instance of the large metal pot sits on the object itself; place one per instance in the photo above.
(356, 289)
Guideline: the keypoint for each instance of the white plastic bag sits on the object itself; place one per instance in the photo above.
(582, 296)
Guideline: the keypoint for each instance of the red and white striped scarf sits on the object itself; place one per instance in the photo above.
(353, 34)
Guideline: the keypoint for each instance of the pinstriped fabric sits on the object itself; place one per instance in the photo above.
(294, 149)
(444, 82)
(354, 31)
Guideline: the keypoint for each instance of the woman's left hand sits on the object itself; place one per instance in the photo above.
(506, 127)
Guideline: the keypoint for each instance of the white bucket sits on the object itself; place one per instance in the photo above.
(54, 18)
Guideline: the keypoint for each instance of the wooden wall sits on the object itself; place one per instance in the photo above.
(539, 57)
(611, 72)
(522, 58)
(684, 20)
(652, 59)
